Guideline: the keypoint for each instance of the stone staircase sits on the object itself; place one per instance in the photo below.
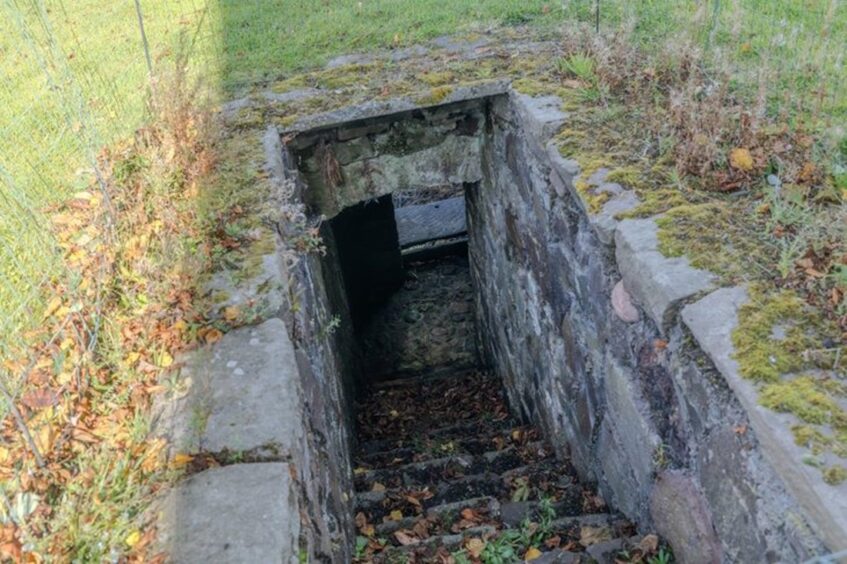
(445, 474)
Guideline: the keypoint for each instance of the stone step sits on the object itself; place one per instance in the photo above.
(461, 433)
(377, 504)
(425, 550)
(444, 516)
(443, 469)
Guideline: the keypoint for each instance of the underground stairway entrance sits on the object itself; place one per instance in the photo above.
(443, 472)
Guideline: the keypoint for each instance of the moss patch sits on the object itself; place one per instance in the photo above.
(762, 357)
(835, 475)
(806, 397)
(726, 247)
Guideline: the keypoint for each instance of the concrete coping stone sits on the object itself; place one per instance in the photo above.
(712, 321)
(542, 116)
(658, 283)
(239, 513)
(239, 395)
(314, 123)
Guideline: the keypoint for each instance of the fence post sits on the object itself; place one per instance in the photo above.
(144, 38)
(596, 16)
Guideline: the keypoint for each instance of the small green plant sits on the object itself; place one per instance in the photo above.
(522, 490)
(461, 557)
(361, 546)
(504, 549)
(581, 67)
(330, 327)
(664, 556)
(660, 456)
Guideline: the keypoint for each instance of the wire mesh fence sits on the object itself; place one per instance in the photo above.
(74, 79)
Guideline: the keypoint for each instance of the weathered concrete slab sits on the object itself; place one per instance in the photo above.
(712, 320)
(240, 513)
(605, 222)
(542, 116)
(260, 294)
(427, 222)
(378, 108)
(242, 394)
(657, 282)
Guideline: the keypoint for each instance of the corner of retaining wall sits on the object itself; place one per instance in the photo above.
(696, 496)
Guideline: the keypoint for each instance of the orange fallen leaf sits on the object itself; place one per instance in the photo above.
(741, 159)
(213, 336)
(532, 554)
(181, 459)
(475, 546)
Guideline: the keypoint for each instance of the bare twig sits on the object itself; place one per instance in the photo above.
(21, 424)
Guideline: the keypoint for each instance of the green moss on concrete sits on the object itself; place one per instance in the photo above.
(807, 398)
(835, 475)
(628, 176)
(760, 355)
(436, 95)
(817, 442)
(725, 248)
(436, 78)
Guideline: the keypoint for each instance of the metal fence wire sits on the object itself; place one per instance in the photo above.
(64, 95)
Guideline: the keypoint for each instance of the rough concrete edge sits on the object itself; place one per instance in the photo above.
(712, 321)
(278, 174)
(382, 108)
(193, 500)
(659, 283)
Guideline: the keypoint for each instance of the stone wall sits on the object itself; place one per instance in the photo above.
(269, 402)
(621, 355)
(578, 313)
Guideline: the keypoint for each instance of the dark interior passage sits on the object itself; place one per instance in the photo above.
(442, 467)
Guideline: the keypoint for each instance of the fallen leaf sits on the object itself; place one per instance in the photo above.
(649, 544)
(213, 336)
(181, 459)
(165, 360)
(377, 487)
(469, 514)
(475, 546)
(395, 515)
(741, 159)
(404, 538)
(54, 305)
(532, 554)
(594, 535)
(132, 539)
(39, 399)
